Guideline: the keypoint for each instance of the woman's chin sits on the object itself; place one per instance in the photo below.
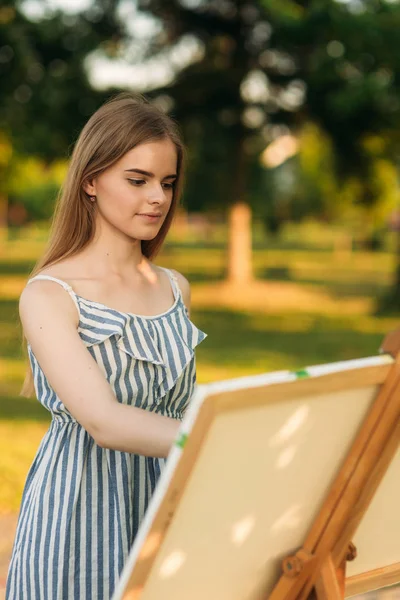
(144, 235)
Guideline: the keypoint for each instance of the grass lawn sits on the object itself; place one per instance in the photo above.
(310, 306)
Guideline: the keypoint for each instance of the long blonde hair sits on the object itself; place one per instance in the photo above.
(123, 122)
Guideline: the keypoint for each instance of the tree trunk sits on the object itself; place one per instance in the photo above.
(239, 269)
(239, 245)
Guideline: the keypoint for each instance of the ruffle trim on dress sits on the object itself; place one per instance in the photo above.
(167, 343)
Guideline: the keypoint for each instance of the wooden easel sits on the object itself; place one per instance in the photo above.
(318, 568)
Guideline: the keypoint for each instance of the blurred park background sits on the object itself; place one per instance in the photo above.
(290, 219)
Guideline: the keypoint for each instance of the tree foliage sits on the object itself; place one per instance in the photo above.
(261, 68)
(268, 65)
(45, 95)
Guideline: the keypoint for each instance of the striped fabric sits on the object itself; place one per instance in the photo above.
(82, 504)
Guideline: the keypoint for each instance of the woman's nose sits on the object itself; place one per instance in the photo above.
(157, 193)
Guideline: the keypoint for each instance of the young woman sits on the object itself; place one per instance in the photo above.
(111, 347)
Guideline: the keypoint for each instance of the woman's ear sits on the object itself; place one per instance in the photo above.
(89, 187)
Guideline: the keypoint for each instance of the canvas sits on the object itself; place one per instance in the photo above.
(252, 465)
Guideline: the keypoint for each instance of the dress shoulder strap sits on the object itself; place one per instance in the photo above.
(174, 282)
(64, 284)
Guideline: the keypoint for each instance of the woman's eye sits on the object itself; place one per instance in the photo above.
(136, 181)
(139, 182)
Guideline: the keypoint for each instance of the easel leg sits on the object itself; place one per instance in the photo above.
(330, 584)
(341, 575)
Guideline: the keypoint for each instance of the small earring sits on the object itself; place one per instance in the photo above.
(93, 198)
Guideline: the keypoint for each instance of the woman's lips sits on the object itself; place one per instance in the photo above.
(150, 218)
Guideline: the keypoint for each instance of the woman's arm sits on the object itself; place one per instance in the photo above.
(50, 319)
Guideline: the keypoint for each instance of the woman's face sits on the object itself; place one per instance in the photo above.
(136, 187)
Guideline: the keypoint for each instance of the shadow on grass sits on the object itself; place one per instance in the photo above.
(287, 342)
(281, 273)
(8, 310)
(270, 243)
(16, 267)
(338, 288)
(19, 408)
(10, 330)
(205, 277)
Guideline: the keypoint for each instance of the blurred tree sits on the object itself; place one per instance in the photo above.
(266, 68)
(223, 102)
(33, 187)
(45, 95)
(348, 54)
(239, 74)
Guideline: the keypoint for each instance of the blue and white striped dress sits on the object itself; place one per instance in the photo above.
(82, 505)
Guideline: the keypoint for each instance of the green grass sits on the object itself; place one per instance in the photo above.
(240, 342)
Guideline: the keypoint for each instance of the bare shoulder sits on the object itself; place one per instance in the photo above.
(184, 286)
(45, 303)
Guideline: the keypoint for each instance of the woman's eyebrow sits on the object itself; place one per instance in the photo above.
(148, 173)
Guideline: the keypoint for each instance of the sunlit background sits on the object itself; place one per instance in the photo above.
(289, 224)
